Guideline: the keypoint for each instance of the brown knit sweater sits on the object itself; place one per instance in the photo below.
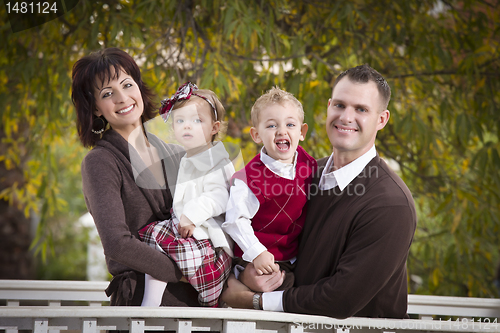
(354, 246)
(120, 208)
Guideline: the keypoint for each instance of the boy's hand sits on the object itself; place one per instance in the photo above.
(186, 227)
(264, 263)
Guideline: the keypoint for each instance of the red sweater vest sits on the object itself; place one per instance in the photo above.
(282, 210)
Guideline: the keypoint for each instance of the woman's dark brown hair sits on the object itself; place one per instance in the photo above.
(97, 66)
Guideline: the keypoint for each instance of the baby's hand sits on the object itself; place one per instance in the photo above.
(186, 227)
(264, 263)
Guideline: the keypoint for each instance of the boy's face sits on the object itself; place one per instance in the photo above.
(280, 129)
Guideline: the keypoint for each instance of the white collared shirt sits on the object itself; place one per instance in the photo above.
(243, 205)
(345, 175)
(284, 170)
(273, 301)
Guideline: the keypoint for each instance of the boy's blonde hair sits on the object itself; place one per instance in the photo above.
(272, 96)
(212, 97)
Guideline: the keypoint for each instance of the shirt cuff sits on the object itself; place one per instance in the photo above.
(237, 269)
(253, 252)
(273, 301)
(197, 216)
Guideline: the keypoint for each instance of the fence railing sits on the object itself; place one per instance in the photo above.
(53, 306)
(53, 293)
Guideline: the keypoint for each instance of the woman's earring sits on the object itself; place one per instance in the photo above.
(99, 126)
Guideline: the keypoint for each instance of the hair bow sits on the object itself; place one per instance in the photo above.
(184, 92)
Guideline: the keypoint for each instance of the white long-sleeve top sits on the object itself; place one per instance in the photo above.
(202, 193)
(243, 205)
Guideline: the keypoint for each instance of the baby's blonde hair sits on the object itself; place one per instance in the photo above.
(212, 97)
(273, 96)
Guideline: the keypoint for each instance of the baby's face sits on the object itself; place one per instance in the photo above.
(194, 127)
(280, 129)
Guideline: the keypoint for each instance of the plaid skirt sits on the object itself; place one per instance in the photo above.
(206, 268)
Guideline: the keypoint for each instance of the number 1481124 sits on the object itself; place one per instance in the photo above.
(31, 7)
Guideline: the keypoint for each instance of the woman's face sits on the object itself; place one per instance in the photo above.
(119, 100)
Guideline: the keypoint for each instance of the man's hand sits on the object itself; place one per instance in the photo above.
(237, 295)
(261, 283)
(186, 227)
(264, 263)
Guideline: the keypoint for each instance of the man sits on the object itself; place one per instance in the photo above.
(360, 223)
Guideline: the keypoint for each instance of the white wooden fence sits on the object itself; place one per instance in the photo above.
(54, 306)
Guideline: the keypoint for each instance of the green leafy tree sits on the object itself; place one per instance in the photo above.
(441, 59)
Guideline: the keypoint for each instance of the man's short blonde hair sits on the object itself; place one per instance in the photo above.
(275, 95)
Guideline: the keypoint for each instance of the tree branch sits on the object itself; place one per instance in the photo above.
(264, 59)
(442, 72)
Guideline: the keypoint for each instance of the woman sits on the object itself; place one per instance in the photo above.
(125, 175)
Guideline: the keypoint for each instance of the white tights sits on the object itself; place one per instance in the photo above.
(153, 291)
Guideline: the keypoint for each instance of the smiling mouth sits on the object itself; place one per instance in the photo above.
(125, 110)
(345, 130)
(283, 145)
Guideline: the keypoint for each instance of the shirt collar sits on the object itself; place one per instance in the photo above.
(345, 175)
(207, 159)
(285, 170)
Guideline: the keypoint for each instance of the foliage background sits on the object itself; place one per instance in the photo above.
(441, 59)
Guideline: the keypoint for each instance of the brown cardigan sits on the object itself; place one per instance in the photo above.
(120, 208)
(354, 246)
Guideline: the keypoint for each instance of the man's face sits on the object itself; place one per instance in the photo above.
(355, 114)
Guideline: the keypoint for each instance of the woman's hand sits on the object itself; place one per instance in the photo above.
(186, 227)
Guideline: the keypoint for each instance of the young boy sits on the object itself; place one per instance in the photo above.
(266, 208)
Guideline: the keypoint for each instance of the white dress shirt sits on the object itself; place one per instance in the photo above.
(273, 301)
(243, 205)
